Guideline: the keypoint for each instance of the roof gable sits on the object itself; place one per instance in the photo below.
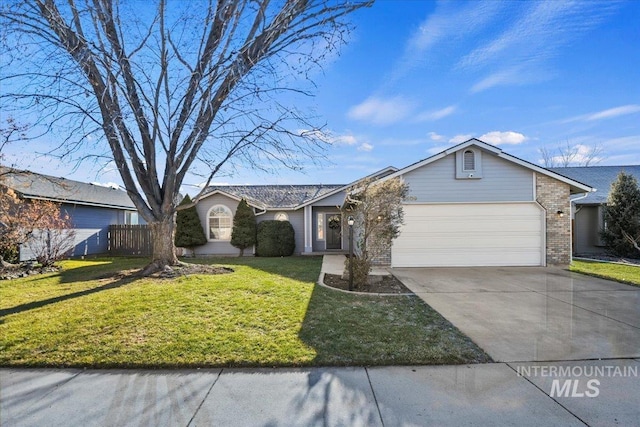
(272, 196)
(576, 187)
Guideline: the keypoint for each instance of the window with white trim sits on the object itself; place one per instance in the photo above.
(219, 223)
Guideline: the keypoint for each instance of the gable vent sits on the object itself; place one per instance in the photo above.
(469, 160)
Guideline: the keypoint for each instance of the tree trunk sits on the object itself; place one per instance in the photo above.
(163, 248)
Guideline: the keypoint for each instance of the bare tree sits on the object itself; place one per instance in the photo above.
(376, 208)
(170, 88)
(565, 155)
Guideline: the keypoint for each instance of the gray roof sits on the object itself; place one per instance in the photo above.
(274, 196)
(36, 186)
(599, 177)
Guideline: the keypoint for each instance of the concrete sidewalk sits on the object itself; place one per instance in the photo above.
(489, 394)
(334, 264)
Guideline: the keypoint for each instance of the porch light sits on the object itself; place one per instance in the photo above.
(560, 214)
(350, 221)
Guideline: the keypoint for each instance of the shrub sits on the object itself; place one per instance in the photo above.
(189, 233)
(361, 269)
(243, 235)
(275, 238)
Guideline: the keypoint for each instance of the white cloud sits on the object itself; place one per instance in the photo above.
(513, 76)
(435, 137)
(500, 138)
(437, 114)
(365, 147)
(381, 111)
(582, 155)
(532, 35)
(610, 113)
(443, 27)
(614, 112)
(538, 31)
(460, 138)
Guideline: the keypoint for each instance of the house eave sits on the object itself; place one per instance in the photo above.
(79, 202)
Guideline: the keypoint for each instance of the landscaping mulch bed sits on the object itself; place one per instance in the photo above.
(377, 284)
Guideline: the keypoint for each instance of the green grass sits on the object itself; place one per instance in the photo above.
(629, 274)
(268, 312)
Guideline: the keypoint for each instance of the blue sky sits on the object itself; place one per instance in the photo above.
(419, 76)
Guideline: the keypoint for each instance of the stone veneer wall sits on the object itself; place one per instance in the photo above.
(553, 195)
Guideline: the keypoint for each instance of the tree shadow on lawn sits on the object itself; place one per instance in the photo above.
(304, 268)
(366, 330)
(122, 280)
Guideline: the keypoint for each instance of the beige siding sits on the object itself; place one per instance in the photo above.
(216, 247)
(502, 181)
(296, 218)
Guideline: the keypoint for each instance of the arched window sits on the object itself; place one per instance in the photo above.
(469, 161)
(219, 221)
(281, 216)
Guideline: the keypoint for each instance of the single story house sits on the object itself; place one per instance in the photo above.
(470, 205)
(91, 208)
(587, 212)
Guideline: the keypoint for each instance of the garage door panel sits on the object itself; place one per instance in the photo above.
(470, 235)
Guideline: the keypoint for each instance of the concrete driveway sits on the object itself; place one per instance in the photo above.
(533, 313)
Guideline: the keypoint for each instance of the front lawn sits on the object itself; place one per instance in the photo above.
(629, 274)
(268, 312)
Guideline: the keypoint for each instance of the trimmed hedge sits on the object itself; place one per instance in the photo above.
(275, 238)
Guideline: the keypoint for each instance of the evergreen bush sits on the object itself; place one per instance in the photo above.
(189, 232)
(275, 238)
(622, 216)
(243, 234)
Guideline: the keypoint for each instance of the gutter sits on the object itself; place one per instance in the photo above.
(583, 195)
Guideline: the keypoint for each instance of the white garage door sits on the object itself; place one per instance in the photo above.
(507, 234)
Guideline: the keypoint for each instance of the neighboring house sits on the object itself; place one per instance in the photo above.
(91, 208)
(471, 205)
(588, 212)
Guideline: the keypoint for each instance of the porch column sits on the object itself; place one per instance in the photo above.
(308, 229)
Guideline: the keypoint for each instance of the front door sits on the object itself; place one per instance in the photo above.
(334, 232)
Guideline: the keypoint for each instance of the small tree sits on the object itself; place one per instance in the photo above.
(243, 234)
(54, 238)
(622, 217)
(189, 233)
(38, 224)
(377, 211)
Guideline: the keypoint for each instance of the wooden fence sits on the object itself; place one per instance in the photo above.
(129, 240)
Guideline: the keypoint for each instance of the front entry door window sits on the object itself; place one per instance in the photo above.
(334, 231)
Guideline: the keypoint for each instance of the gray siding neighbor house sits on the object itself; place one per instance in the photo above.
(91, 208)
(471, 205)
(587, 212)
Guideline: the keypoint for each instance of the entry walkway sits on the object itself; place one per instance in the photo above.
(489, 394)
(334, 264)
